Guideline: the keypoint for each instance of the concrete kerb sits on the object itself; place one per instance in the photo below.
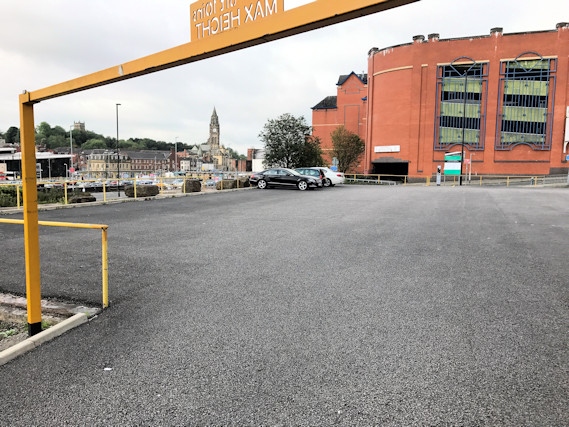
(44, 336)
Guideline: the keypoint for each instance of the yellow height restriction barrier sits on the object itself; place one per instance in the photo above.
(32, 315)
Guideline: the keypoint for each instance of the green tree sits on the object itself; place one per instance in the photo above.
(80, 137)
(234, 154)
(94, 143)
(347, 148)
(43, 131)
(312, 153)
(56, 141)
(131, 144)
(59, 131)
(288, 142)
(12, 135)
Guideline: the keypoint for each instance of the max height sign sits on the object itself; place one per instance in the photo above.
(212, 17)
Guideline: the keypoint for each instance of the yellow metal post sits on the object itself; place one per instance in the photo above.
(31, 227)
(105, 269)
(18, 195)
(65, 191)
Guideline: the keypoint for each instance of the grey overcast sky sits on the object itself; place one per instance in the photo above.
(45, 42)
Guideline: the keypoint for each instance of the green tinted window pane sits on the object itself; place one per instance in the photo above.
(454, 136)
(456, 109)
(526, 87)
(525, 114)
(516, 138)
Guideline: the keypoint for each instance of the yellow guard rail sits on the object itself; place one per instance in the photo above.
(104, 248)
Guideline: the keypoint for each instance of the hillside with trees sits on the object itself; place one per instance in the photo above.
(51, 138)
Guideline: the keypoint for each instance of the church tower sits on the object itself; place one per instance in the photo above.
(214, 131)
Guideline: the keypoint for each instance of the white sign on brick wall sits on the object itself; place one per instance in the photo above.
(387, 149)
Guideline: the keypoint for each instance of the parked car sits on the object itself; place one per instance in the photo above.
(283, 177)
(315, 172)
(177, 183)
(53, 185)
(330, 179)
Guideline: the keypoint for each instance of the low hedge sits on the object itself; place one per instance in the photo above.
(9, 198)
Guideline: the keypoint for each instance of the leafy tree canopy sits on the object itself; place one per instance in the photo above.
(289, 144)
(312, 153)
(12, 135)
(347, 148)
(93, 144)
(235, 155)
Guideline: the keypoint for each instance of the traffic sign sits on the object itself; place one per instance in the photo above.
(452, 168)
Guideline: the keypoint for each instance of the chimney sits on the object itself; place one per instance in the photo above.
(496, 31)
(418, 39)
(562, 26)
(433, 37)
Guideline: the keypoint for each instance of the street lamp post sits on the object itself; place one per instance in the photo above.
(118, 155)
(71, 143)
(463, 126)
(176, 155)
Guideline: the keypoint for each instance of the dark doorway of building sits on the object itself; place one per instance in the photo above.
(393, 170)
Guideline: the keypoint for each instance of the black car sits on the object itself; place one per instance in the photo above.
(283, 177)
(315, 172)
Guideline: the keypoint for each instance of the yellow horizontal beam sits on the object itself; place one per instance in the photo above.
(319, 13)
(58, 224)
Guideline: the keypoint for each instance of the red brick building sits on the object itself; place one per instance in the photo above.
(347, 108)
(502, 98)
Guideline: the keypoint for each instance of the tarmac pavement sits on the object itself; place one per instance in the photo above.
(343, 306)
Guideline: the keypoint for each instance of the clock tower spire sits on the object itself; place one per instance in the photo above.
(214, 130)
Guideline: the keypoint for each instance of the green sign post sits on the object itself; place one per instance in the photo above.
(452, 164)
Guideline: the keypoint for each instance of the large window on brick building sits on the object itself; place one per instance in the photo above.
(526, 102)
(460, 113)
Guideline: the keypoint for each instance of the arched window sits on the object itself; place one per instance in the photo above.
(462, 90)
(527, 84)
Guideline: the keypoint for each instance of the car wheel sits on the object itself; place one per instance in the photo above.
(262, 184)
(302, 185)
(327, 182)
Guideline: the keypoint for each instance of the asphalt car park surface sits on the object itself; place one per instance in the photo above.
(355, 306)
